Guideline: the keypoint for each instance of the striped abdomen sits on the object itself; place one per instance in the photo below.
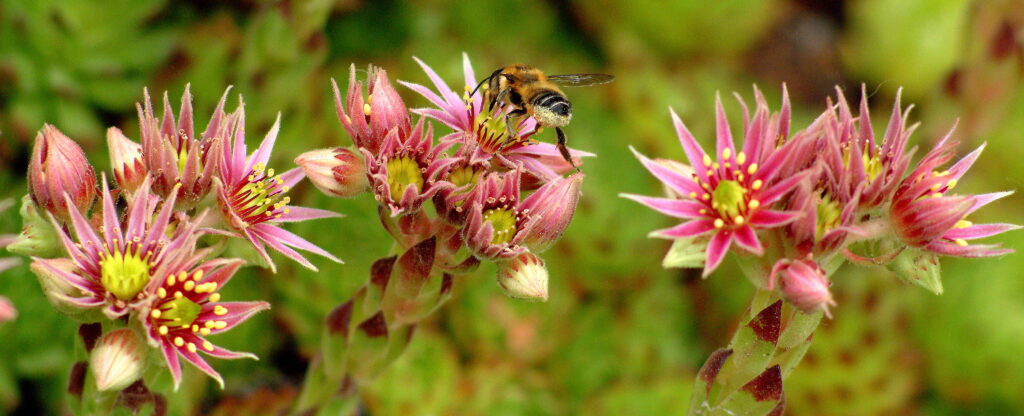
(551, 108)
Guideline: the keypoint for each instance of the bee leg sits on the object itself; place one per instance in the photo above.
(498, 98)
(513, 133)
(563, 149)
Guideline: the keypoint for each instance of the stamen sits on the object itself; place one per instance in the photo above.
(706, 160)
(741, 158)
(752, 168)
(179, 341)
(366, 109)
(757, 184)
(726, 153)
(719, 223)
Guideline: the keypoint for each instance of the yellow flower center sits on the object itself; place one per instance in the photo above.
(402, 173)
(180, 311)
(828, 212)
(262, 194)
(727, 198)
(464, 176)
(503, 220)
(124, 275)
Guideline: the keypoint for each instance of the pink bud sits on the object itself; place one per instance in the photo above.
(553, 205)
(59, 166)
(803, 283)
(369, 121)
(524, 277)
(336, 172)
(117, 360)
(126, 160)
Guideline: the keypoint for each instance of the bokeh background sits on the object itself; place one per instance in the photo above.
(620, 334)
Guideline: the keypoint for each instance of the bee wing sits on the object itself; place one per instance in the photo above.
(581, 80)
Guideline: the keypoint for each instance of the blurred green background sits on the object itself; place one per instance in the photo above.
(620, 335)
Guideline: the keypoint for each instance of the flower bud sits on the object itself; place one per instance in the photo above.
(524, 277)
(554, 204)
(803, 283)
(336, 172)
(37, 238)
(7, 311)
(126, 160)
(59, 166)
(370, 121)
(118, 360)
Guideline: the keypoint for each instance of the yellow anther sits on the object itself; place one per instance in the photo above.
(191, 347)
(182, 276)
(204, 331)
(220, 310)
(189, 285)
(706, 160)
(179, 341)
(951, 184)
(348, 120)
(215, 297)
(715, 166)
(937, 195)
(210, 324)
(693, 195)
(739, 220)
(366, 109)
(207, 345)
(960, 242)
(753, 204)
(703, 211)
(221, 325)
(752, 168)
(719, 223)
(741, 158)
(178, 295)
(170, 280)
(726, 153)
(705, 197)
(161, 292)
(195, 328)
(757, 184)
(709, 172)
(163, 330)
(155, 314)
(963, 224)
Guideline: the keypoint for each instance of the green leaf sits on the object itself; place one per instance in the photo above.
(920, 268)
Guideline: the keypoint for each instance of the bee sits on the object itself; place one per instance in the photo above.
(529, 92)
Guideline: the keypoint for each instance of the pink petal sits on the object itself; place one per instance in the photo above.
(238, 312)
(292, 177)
(771, 218)
(673, 179)
(746, 237)
(262, 153)
(201, 364)
(686, 229)
(979, 231)
(171, 356)
(297, 214)
(717, 248)
(774, 192)
(673, 207)
(690, 146)
(723, 135)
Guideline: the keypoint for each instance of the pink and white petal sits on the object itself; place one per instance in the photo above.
(767, 218)
(690, 146)
(294, 240)
(672, 207)
(980, 231)
(778, 190)
(226, 354)
(684, 230)
(201, 364)
(171, 357)
(86, 235)
(467, 71)
(981, 200)
(257, 243)
(673, 179)
(426, 93)
(292, 177)
(442, 88)
(747, 239)
(296, 214)
(717, 247)
(973, 250)
(71, 278)
(111, 224)
(238, 312)
(262, 153)
(288, 252)
(442, 116)
(723, 134)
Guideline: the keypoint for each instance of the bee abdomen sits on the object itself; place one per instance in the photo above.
(552, 101)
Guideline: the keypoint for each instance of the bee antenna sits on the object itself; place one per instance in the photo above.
(488, 79)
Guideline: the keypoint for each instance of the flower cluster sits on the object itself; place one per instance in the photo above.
(140, 254)
(828, 193)
(495, 197)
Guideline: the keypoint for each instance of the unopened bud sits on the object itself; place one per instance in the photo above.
(524, 277)
(59, 166)
(336, 172)
(37, 238)
(118, 360)
(125, 160)
(803, 283)
(554, 205)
